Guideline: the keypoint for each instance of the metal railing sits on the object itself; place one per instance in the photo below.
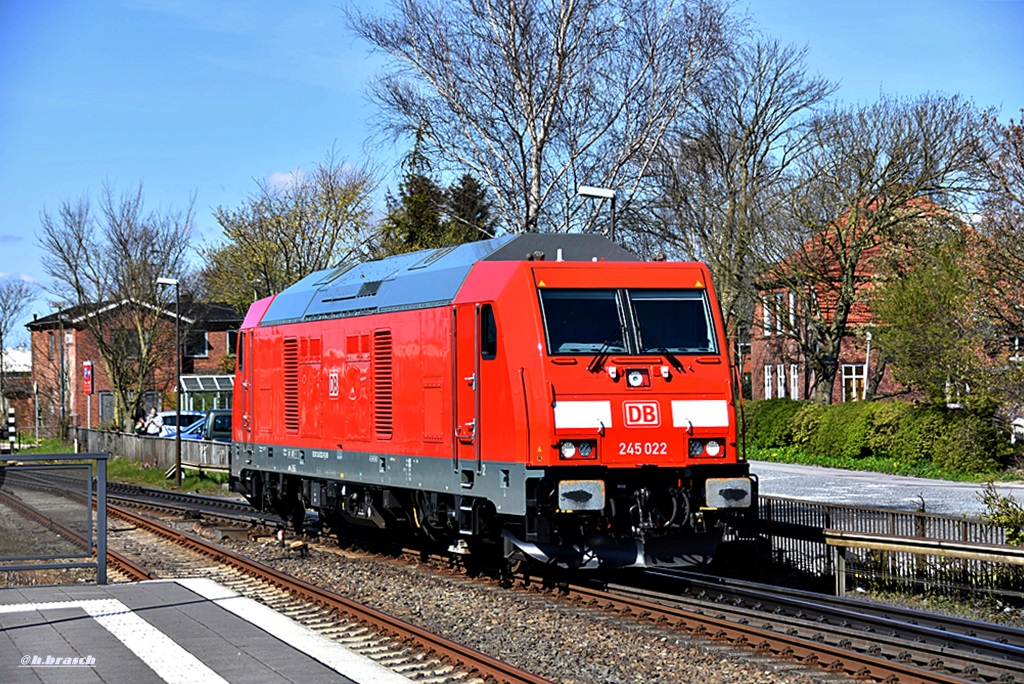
(53, 494)
(885, 548)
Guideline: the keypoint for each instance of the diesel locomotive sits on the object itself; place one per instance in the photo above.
(548, 397)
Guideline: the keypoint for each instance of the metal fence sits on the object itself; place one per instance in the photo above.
(155, 451)
(796, 533)
(47, 523)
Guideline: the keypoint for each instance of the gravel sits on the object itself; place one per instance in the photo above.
(532, 629)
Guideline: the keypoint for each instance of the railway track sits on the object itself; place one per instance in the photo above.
(842, 638)
(395, 643)
(411, 651)
(862, 640)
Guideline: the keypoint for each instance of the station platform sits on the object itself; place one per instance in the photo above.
(185, 631)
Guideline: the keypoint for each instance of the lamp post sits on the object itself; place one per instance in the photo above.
(177, 376)
(601, 193)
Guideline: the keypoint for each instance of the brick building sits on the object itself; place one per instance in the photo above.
(62, 347)
(777, 366)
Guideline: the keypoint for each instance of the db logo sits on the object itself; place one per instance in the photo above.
(642, 413)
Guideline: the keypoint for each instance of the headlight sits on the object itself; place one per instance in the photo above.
(575, 451)
(713, 447)
(696, 448)
(635, 378)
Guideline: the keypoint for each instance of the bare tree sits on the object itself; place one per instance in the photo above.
(536, 98)
(15, 297)
(726, 169)
(104, 265)
(281, 234)
(871, 176)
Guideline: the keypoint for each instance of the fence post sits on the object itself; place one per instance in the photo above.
(839, 563)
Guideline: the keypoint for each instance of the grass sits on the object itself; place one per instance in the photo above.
(123, 471)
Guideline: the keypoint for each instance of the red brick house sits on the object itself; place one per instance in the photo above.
(62, 348)
(777, 365)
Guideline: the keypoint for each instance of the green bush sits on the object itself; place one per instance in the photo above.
(805, 423)
(768, 422)
(914, 439)
(970, 443)
(905, 437)
(885, 424)
(843, 430)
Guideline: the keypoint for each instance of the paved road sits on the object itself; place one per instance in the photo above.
(875, 489)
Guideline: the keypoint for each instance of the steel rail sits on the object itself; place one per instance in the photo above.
(766, 641)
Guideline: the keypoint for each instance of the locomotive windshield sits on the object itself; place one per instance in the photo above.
(627, 321)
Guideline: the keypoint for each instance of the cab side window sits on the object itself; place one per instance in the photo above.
(488, 333)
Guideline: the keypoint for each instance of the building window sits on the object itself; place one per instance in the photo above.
(106, 407)
(794, 381)
(780, 376)
(195, 346)
(780, 310)
(767, 381)
(767, 315)
(232, 339)
(126, 343)
(52, 345)
(854, 379)
(1016, 348)
(792, 310)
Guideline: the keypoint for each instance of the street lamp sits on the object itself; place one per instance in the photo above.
(601, 193)
(177, 375)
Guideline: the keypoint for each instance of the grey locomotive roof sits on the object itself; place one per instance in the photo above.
(422, 279)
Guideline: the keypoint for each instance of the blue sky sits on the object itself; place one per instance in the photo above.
(201, 97)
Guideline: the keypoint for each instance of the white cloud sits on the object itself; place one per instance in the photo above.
(283, 180)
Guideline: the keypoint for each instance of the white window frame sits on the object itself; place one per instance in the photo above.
(780, 299)
(780, 377)
(794, 381)
(767, 316)
(767, 381)
(854, 372)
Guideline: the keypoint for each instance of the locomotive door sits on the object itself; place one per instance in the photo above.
(474, 347)
(465, 381)
(245, 364)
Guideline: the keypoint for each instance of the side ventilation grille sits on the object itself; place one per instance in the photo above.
(291, 385)
(383, 384)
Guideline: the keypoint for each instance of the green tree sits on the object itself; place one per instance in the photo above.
(284, 232)
(930, 324)
(469, 215)
(414, 218)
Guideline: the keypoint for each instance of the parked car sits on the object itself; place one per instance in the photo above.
(215, 426)
(170, 419)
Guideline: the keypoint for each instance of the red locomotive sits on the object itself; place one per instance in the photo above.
(547, 396)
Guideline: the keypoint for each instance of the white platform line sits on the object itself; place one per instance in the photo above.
(163, 655)
(332, 654)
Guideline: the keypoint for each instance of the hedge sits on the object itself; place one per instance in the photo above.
(958, 440)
